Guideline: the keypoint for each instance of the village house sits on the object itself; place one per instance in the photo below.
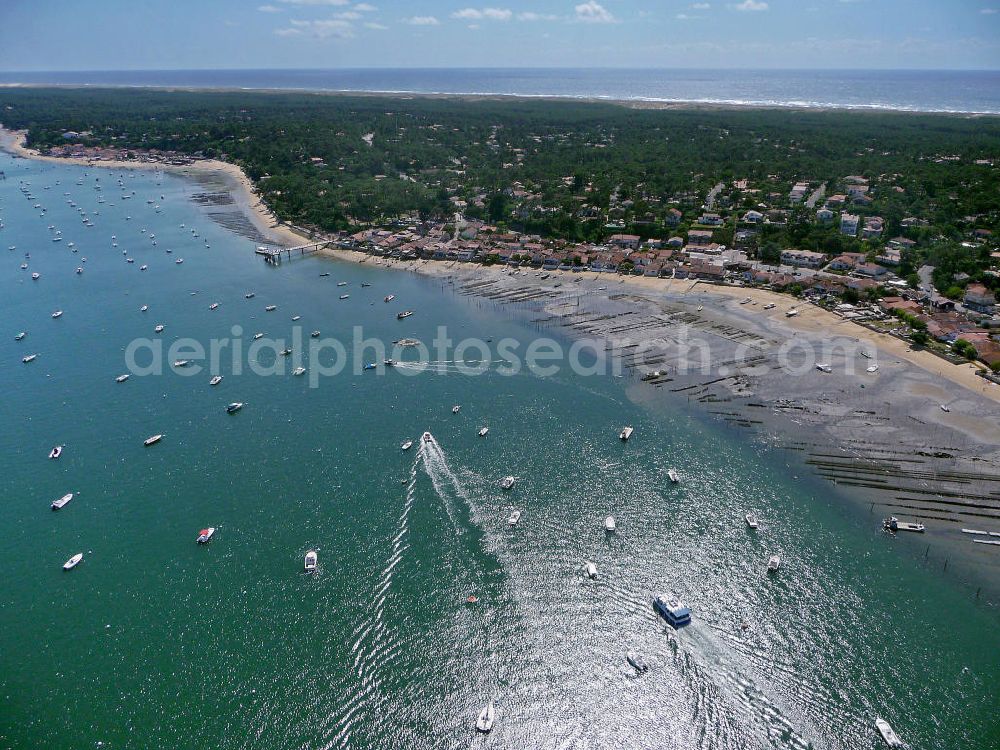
(824, 216)
(625, 241)
(849, 224)
(712, 220)
(872, 227)
(753, 217)
(673, 217)
(699, 237)
(890, 256)
(798, 192)
(802, 258)
(870, 269)
(979, 299)
(836, 201)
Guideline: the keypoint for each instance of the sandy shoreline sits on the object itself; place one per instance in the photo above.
(231, 176)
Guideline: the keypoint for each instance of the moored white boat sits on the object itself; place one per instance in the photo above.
(590, 569)
(507, 482)
(73, 561)
(234, 407)
(483, 431)
(122, 378)
(626, 433)
(389, 298)
(455, 409)
(486, 719)
(20, 336)
(205, 535)
(673, 476)
(751, 520)
(773, 563)
(404, 314)
(515, 516)
(61, 502)
(311, 561)
(610, 524)
(299, 371)
(215, 380)
(57, 314)
(407, 445)
(152, 440)
(56, 451)
(158, 329)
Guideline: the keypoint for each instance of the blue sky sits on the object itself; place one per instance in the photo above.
(163, 34)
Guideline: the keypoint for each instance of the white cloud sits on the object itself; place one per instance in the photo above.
(333, 28)
(489, 14)
(268, 9)
(365, 8)
(530, 16)
(348, 15)
(422, 21)
(700, 6)
(375, 26)
(685, 17)
(750, 5)
(594, 12)
(315, 2)
(989, 11)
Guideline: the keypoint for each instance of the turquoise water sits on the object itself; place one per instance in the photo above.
(155, 641)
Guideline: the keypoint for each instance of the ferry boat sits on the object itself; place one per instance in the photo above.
(407, 445)
(205, 535)
(73, 561)
(152, 440)
(751, 520)
(672, 609)
(270, 308)
(299, 371)
(234, 407)
(626, 433)
(122, 378)
(57, 314)
(486, 719)
(389, 298)
(888, 733)
(773, 563)
(590, 569)
(609, 524)
(29, 358)
(20, 336)
(455, 409)
(215, 380)
(514, 518)
(312, 559)
(56, 451)
(636, 660)
(61, 502)
(483, 431)
(673, 476)
(507, 482)
(404, 314)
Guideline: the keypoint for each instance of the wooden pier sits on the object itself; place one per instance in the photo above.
(274, 255)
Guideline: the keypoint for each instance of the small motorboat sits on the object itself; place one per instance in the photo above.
(79, 269)
(270, 308)
(871, 368)
(407, 445)
(182, 362)
(369, 366)
(341, 283)
(215, 380)
(626, 433)
(389, 362)
(214, 306)
(249, 295)
(205, 535)
(122, 378)
(314, 334)
(773, 563)
(152, 440)
(73, 561)
(143, 267)
(296, 318)
(404, 314)
(344, 296)
(61, 502)
(944, 407)
(486, 718)
(389, 298)
(144, 308)
(483, 431)
(56, 452)
(455, 409)
(769, 306)
(823, 367)
(751, 520)
(299, 371)
(673, 476)
(609, 524)
(427, 437)
(57, 314)
(158, 329)
(888, 733)
(286, 352)
(29, 358)
(636, 660)
(311, 561)
(20, 336)
(234, 407)
(179, 261)
(507, 482)
(258, 336)
(514, 518)
(590, 569)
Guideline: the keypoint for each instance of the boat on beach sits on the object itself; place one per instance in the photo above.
(56, 451)
(73, 561)
(152, 440)
(625, 434)
(311, 561)
(62, 501)
(486, 719)
(888, 733)
(792, 312)
(205, 535)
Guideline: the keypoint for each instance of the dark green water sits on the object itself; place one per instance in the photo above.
(157, 642)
